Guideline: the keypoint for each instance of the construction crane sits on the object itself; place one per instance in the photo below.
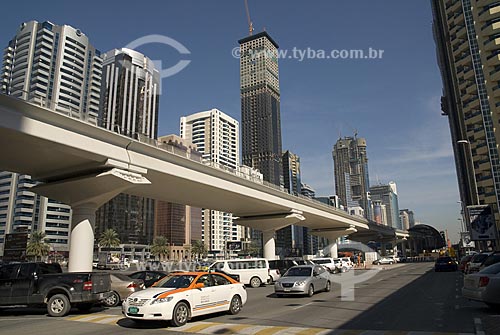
(250, 25)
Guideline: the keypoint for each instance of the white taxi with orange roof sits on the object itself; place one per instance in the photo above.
(180, 296)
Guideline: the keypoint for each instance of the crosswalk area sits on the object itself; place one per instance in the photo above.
(217, 328)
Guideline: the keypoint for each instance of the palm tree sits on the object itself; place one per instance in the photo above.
(160, 247)
(37, 245)
(198, 248)
(109, 238)
(253, 249)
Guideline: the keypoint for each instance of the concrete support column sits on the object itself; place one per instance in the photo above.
(383, 249)
(269, 244)
(403, 248)
(334, 249)
(81, 247)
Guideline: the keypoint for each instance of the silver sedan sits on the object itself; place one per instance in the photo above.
(484, 286)
(303, 279)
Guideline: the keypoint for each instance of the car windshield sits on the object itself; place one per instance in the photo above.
(492, 269)
(179, 281)
(322, 261)
(120, 277)
(298, 272)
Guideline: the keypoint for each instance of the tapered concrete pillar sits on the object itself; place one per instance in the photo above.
(269, 224)
(334, 249)
(269, 244)
(81, 247)
(85, 195)
(383, 250)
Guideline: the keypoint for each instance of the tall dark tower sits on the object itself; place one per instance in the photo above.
(260, 106)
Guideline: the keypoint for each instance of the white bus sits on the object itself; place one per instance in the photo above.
(252, 271)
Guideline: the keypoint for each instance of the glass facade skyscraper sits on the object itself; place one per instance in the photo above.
(129, 104)
(56, 67)
(351, 172)
(260, 106)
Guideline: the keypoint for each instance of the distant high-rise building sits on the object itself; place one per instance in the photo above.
(311, 242)
(409, 218)
(387, 195)
(216, 136)
(290, 240)
(129, 105)
(57, 67)
(466, 35)
(260, 106)
(351, 173)
(180, 224)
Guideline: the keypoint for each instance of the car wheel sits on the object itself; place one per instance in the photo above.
(112, 301)
(58, 305)
(391, 262)
(255, 282)
(180, 314)
(235, 306)
(328, 287)
(270, 281)
(310, 291)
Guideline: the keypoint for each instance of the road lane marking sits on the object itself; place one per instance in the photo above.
(217, 328)
(309, 303)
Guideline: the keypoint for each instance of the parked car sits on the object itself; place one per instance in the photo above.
(333, 265)
(384, 260)
(347, 261)
(493, 258)
(34, 284)
(445, 263)
(181, 296)
(303, 279)
(476, 261)
(282, 265)
(464, 263)
(122, 286)
(148, 277)
(251, 271)
(484, 286)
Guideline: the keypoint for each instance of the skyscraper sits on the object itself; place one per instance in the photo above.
(180, 224)
(466, 36)
(57, 67)
(290, 240)
(351, 173)
(387, 195)
(260, 106)
(215, 135)
(129, 105)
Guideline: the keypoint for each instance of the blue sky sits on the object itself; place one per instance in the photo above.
(393, 102)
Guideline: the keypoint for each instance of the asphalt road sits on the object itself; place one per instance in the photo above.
(397, 299)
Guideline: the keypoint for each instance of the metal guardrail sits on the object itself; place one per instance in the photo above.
(65, 109)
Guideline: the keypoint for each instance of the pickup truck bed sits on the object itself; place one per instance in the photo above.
(34, 284)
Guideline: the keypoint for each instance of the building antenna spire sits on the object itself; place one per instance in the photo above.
(250, 24)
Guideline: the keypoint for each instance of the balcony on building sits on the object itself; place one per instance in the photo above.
(489, 11)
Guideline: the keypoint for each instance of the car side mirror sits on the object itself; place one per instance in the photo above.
(315, 273)
(199, 285)
(34, 275)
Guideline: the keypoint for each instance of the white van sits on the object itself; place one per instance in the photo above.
(252, 271)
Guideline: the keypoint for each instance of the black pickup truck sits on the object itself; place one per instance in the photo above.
(38, 284)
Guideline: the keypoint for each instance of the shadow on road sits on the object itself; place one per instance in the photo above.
(430, 303)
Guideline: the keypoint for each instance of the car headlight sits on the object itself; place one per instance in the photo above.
(160, 300)
(300, 283)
